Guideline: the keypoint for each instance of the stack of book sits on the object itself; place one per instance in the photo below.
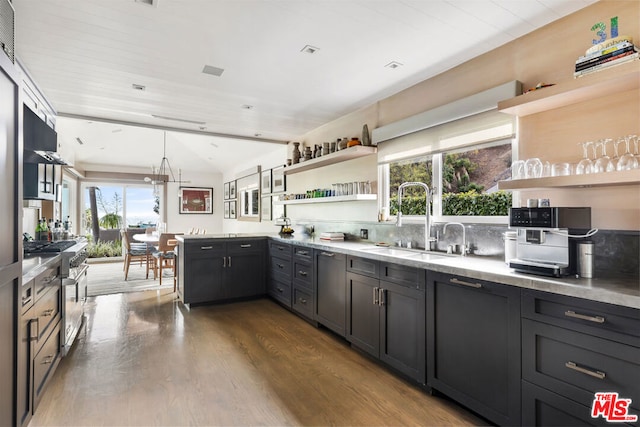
(608, 55)
(331, 235)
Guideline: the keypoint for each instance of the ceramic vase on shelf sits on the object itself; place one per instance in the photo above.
(296, 153)
(366, 139)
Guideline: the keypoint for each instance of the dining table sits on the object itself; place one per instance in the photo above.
(152, 240)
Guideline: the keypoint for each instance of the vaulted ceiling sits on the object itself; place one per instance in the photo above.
(281, 68)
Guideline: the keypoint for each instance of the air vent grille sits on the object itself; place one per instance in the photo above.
(7, 29)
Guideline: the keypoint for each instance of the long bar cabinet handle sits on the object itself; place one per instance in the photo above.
(375, 296)
(596, 374)
(382, 296)
(204, 248)
(229, 264)
(224, 261)
(462, 282)
(248, 245)
(303, 253)
(302, 273)
(326, 253)
(596, 319)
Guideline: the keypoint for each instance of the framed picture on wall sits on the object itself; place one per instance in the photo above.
(226, 190)
(278, 179)
(265, 180)
(196, 200)
(232, 209)
(265, 207)
(277, 209)
(232, 190)
(226, 209)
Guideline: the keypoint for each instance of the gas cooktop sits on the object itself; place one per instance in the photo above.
(40, 246)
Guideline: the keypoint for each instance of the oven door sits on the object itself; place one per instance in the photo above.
(74, 294)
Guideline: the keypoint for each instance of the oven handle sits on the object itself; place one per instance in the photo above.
(78, 272)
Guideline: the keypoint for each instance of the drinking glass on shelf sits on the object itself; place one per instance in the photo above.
(628, 161)
(602, 163)
(533, 168)
(517, 169)
(585, 165)
(561, 169)
(612, 166)
(546, 169)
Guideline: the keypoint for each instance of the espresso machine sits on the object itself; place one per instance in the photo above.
(545, 245)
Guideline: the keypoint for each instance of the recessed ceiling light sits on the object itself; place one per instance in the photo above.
(247, 107)
(175, 119)
(138, 87)
(310, 49)
(393, 65)
(214, 71)
(257, 134)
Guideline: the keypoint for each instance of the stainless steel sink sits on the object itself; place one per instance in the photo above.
(390, 251)
(406, 253)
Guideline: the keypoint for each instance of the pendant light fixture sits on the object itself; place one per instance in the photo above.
(164, 173)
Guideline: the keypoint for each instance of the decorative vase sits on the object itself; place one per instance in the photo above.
(366, 139)
(296, 153)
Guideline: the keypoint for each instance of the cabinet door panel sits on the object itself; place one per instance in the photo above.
(474, 345)
(204, 279)
(363, 313)
(246, 275)
(331, 290)
(403, 336)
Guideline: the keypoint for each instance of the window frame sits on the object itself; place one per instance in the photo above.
(436, 189)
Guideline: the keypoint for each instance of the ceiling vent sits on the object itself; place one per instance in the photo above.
(214, 71)
(7, 29)
(153, 3)
(309, 49)
(393, 65)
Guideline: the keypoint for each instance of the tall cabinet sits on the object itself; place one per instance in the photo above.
(10, 230)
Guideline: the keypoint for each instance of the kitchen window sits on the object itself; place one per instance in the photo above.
(460, 161)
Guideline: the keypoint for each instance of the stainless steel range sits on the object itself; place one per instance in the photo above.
(74, 281)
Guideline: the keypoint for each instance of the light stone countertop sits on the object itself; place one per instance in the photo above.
(33, 265)
(618, 291)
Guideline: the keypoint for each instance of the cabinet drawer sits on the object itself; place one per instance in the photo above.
(577, 365)
(303, 253)
(237, 247)
(403, 275)
(49, 277)
(280, 266)
(28, 297)
(363, 266)
(281, 250)
(47, 312)
(303, 274)
(204, 248)
(45, 363)
(591, 317)
(280, 290)
(302, 301)
(542, 407)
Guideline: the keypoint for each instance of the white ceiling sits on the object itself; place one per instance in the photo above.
(86, 54)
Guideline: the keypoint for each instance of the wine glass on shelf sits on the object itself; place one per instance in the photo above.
(585, 165)
(613, 164)
(602, 163)
(627, 161)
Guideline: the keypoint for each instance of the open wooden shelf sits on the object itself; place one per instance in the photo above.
(351, 198)
(619, 78)
(329, 159)
(591, 180)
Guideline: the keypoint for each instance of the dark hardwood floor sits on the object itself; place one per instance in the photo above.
(144, 359)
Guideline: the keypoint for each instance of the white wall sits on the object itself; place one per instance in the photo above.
(182, 223)
(276, 158)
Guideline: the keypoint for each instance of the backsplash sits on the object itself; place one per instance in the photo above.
(616, 252)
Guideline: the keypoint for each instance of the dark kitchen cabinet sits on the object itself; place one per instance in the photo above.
(39, 341)
(303, 297)
(387, 319)
(331, 290)
(473, 344)
(279, 266)
(10, 230)
(211, 270)
(573, 348)
(39, 181)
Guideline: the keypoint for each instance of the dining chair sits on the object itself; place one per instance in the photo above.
(165, 256)
(134, 252)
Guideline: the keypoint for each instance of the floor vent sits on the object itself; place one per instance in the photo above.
(7, 29)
